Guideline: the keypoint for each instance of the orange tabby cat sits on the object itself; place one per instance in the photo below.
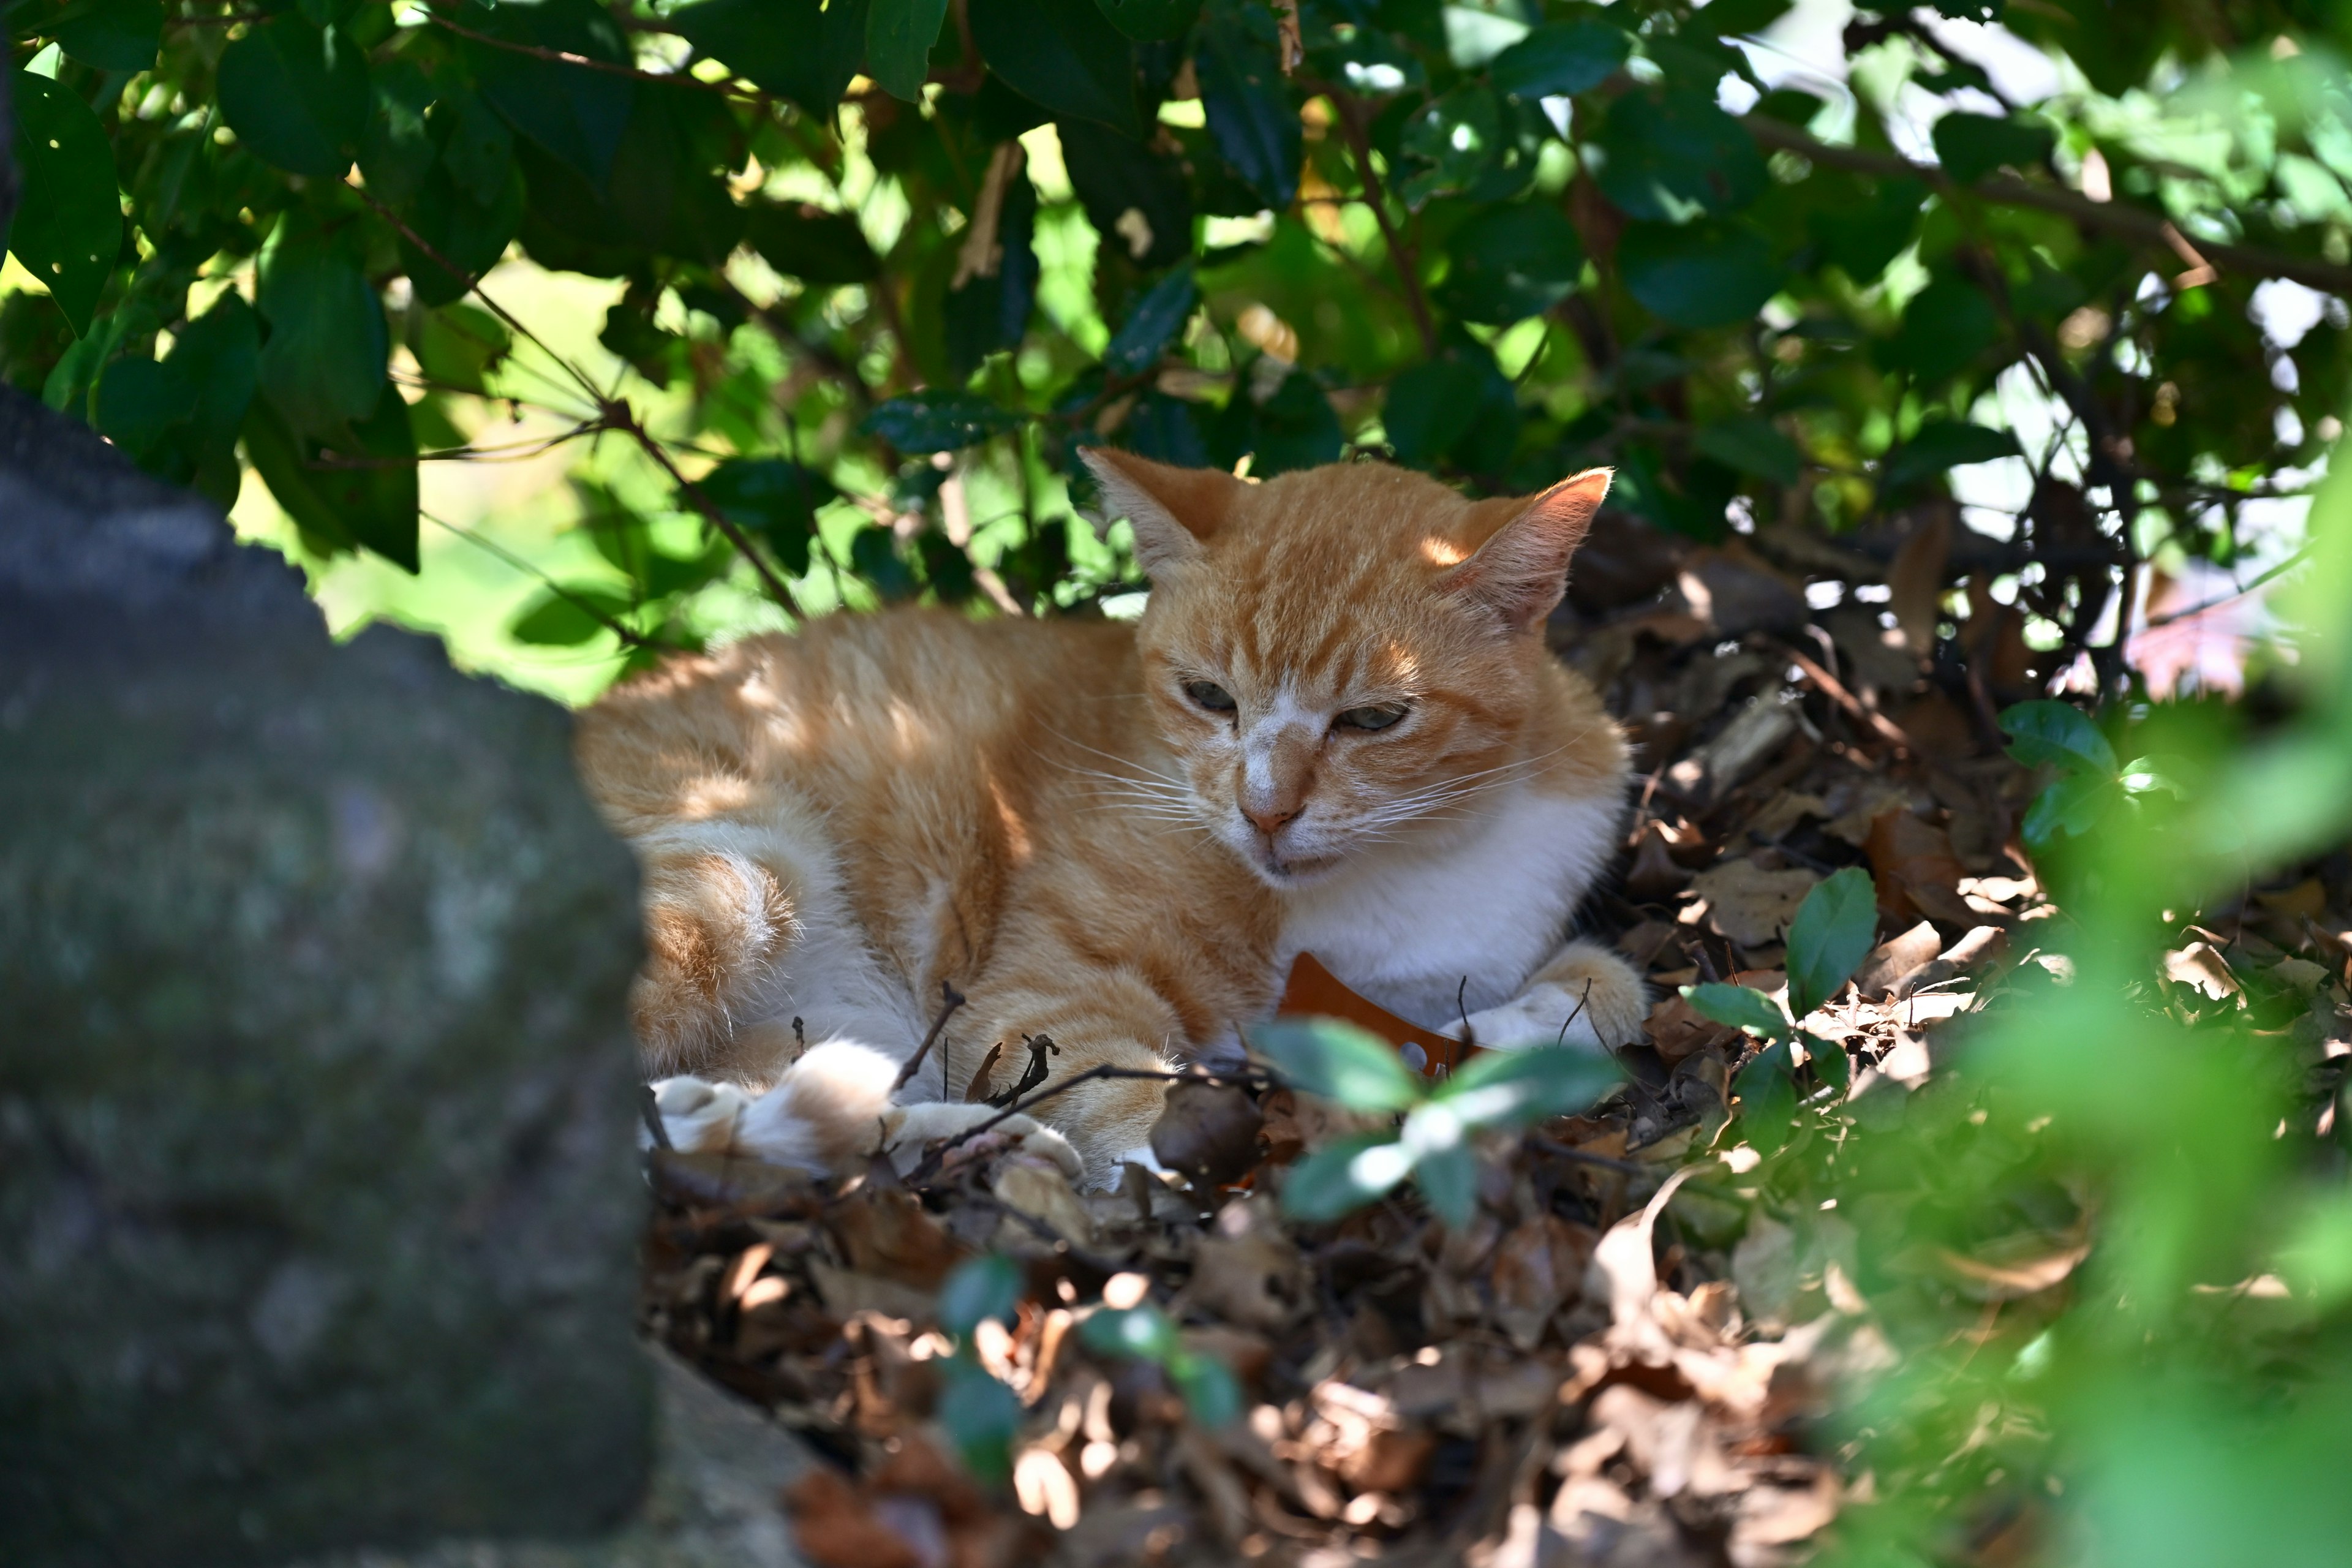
(1335, 729)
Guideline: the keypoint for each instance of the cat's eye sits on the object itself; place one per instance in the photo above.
(1368, 718)
(1209, 695)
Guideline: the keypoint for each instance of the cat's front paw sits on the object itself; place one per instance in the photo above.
(1587, 997)
(919, 1127)
(698, 1115)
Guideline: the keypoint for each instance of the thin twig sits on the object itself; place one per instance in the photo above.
(931, 1162)
(652, 1114)
(586, 62)
(1562, 1152)
(633, 639)
(950, 1000)
(1400, 253)
(1831, 686)
(1562, 1038)
(623, 419)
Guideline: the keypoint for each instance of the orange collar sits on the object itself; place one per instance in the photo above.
(1314, 991)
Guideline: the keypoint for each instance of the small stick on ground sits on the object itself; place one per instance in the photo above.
(950, 1000)
(652, 1114)
(1572, 1013)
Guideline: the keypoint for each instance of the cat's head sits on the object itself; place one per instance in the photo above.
(1346, 656)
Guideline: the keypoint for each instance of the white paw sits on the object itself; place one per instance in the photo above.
(698, 1116)
(1606, 1012)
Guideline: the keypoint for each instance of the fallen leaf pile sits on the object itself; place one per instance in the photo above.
(1622, 1359)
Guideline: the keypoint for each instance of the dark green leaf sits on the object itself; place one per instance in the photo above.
(1753, 445)
(458, 346)
(2058, 733)
(983, 1288)
(1148, 21)
(1863, 237)
(112, 34)
(1670, 157)
(1942, 443)
(899, 38)
(1062, 55)
(297, 96)
(1767, 1093)
(569, 617)
(2072, 805)
(1561, 60)
(1448, 1177)
(323, 364)
(138, 401)
(772, 497)
(219, 354)
(1343, 1175)
(1135, 197)
(359, 493)
(1733, 18)
(1511, 1087)
(1250, 116)
(397, 148)
(1295, 428)
(1433, 404)
(980, 1417)
(805, 49)
(576, 113)
(811, 244)
(1831, 1064)
(1338, 1061)
(938, 421)
(69, 226)
(1834, 931)
(1699, 274)
(1511, 262)
(1144, 1332)
(1158, 314)
(1212, 1397)
(1970, 146)
(1945, 325)
(1739, 1006)
(992, 311)
(467, 237)
(1469, 142)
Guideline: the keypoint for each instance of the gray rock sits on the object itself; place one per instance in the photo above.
(320, 1211)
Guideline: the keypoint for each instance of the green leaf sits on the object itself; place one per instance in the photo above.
(1737, 18)
(1941, 444)
(811, 244)
(2071, 805)
(806, 51)
(1834, 931)
(1561, 60)
(396, 150)
(899, 38)
(1152, 322)
(773, 497)
(466, 234)
(1295, 428)
(938, 421)
(139, 401)
(1062, 55)
(2058, 733)
(1136, 198)
(1945, 327)
(297, 96)
(362, 491)
(1767, 1091)
(1513, 1087)
(579, 115)
(1970, 146)
(1670, 157)
(67, 230)
(992, 311)
(1511, 262)
(1338, 1061)
(568, 618)
(1432, 406)
(323, 364)
(1753, 445)
(1861, 237)
(1448, 1177)
(1831, 1064)
(1699, 274)
(1467, 142)
(1343, 1175)
(1144, 1332)
(112, 34)
(1250, 118)
(980, 1417)
(458, 346)
(1212, 1396)
(1739, 1006)
(1150, 21)
(980, 1288)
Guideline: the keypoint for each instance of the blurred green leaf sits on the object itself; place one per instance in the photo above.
(1834, 931)
(938, 421)
(982, 1287)
(899, 38)
(1945, 327)
(1561, 59)
(1343, 1175)
(1767, 1091)
(1863, 237)
(569, 617)
(1145, 1332)
(1212, 1396)
(1700, 274)
(1512, 1087)
(1063, 55)
(1753, 445)
(1151, 20)
(810, 244)
(112, 34)
(323, 362)
(1250, 120)
(1511, 262)
(1739, 1006)
(980, 1417)
(2058, 733)
(805, 49)
(297, 95)
(1670, 157)
(1338, 1061)
(1941, 444)
(1970, 146)
(1152, 322)
(773, 497)
(67, 230)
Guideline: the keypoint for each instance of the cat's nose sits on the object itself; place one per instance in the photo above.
(1269, 820)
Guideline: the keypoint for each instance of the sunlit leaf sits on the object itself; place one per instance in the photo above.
(1834, 931)
(1340, 1061)
(1343, 1175)
(1739, 1006)
(2058, 733)
(68, 229)
(1512, 1087)
(1561, 59)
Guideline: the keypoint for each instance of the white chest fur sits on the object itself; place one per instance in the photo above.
(1405, 928)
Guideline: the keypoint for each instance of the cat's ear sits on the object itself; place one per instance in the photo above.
(1171, 510)
(1521, 571)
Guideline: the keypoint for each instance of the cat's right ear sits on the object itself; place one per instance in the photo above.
(1171, 510)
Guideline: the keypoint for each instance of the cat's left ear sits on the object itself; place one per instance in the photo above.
(1521, 571)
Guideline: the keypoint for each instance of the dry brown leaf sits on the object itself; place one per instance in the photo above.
(1915, 582)
(1750, 905)
(1537, 1269)
(2013, 1267)
(1891, 962)
(835, 1524)
(1917, 872)
(1209, 1132)
(2201, 968)
(1038, 1189)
